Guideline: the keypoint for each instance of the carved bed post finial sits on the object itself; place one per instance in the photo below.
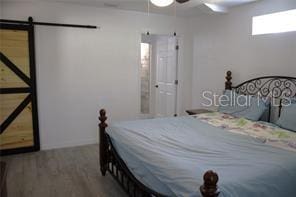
(103, 142)
(209, 188)
(228, 83)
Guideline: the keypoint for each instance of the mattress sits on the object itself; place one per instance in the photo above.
(170, 156)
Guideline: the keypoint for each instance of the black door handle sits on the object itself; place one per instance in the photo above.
(156, 86)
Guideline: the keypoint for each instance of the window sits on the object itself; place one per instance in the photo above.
(275, 23)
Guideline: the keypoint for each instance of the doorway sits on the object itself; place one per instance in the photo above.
(159, 75)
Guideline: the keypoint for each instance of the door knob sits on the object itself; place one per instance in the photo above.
(156, 86)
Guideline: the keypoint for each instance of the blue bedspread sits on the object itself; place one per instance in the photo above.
(170, 155)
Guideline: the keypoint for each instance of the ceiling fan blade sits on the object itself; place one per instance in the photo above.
(216, 8)
(182, 1)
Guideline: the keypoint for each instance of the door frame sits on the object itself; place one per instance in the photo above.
(32, 89)
(153, 79)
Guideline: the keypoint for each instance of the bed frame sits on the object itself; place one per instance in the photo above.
(275, 86)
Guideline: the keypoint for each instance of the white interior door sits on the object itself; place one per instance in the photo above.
(166, 77)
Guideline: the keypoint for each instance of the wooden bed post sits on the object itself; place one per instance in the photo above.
(103, 142)
(228, 83)
(209, 188)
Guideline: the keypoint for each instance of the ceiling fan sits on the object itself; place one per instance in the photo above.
(182, 1)
(209, 5)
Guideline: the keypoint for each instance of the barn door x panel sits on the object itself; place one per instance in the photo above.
(18, 106)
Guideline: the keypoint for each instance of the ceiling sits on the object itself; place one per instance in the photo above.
(191, 8)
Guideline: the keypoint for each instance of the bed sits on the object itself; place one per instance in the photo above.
(168, 156)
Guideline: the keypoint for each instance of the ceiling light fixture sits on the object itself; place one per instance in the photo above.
(162, 3)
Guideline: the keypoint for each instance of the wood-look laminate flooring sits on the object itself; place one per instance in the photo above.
(67, 172)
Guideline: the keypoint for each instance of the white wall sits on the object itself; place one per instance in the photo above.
(80, 71)
(225, 42)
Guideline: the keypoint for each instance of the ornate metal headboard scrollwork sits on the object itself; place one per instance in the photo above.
(272, 86)
(275, 87)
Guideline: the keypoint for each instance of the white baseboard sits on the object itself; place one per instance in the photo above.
(68, 144)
